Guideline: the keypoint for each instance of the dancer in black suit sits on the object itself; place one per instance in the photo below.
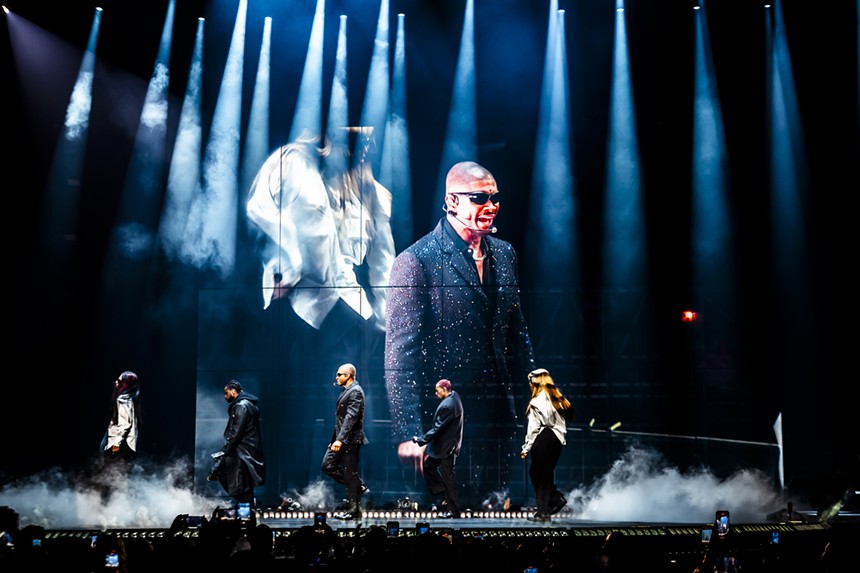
(454, 311)
(443, 443)
(342, 456)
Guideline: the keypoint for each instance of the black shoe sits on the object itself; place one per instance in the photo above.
(448, 515)
(346, 515)
(559, 504)
(540, 518)
(364, 489)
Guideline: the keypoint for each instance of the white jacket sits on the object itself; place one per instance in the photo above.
(312, 247)
(542, 414)
(125, 427)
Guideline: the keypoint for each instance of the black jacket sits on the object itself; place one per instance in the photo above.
(243, 465)
(349, 416)
(443, 323)
(446, 435)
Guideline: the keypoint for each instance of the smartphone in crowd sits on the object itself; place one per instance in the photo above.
(422, 527)
(707, 532)
(393, 528)
(193, 521)
(112, 559)
(721, 522)
(319, 520)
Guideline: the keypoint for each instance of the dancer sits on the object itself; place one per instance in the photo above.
(342, 456)
(240, 464)
(443, 443)
(548, 413)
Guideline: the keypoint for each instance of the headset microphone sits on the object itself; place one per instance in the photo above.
(491, 230)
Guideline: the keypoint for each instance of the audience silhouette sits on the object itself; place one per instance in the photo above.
(229, 546)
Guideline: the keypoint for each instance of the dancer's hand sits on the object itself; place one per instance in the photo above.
(411, 454)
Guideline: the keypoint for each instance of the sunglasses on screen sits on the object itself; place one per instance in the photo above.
(481, 198)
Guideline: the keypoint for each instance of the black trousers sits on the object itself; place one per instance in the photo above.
(441, 479)
(545, 454)
(247, 496)
(342, 467)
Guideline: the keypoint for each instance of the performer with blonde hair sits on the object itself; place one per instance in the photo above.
(548, 413)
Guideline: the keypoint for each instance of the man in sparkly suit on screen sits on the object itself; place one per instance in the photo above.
(454, 312)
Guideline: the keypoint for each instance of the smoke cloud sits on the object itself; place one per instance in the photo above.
(639, 487)
(109, 498)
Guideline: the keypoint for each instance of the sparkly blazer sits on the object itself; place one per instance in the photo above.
(443, 323)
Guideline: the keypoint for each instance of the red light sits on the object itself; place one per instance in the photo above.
(688, 316)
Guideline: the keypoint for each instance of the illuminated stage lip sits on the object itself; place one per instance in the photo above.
(495, 523)
(561, 526)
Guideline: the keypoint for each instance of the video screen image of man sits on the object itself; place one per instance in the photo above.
(454, 312)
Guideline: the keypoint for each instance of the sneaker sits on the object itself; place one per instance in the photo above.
(364, 489)
(346, 515)
(448, 515)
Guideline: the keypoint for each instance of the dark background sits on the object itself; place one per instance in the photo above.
(70, 334)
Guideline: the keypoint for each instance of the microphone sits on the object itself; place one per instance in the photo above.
(491, 230)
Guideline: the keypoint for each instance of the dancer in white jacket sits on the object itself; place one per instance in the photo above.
(547, 413)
